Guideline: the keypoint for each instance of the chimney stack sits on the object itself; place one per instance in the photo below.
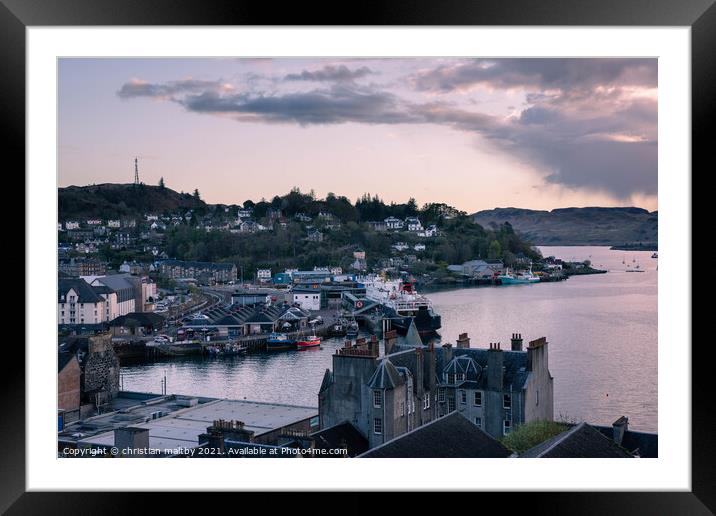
(495, 360)
(373, 346)
(619, 427)
(390, 337)
(463, 341)
(516, 342)
(131, 438)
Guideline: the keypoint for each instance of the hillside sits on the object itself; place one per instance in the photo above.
(577, 226)
(107, 201)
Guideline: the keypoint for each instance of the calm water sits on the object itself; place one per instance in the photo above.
(602, 331)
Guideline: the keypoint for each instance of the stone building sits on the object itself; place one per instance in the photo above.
(413, 384)
(383, 397)
(497, 390)
(99, 369)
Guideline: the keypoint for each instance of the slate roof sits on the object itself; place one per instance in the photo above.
(643, 444)
(146, 319)
(340, 435)
(451, 436)
(514, 362)
(386, 376)
(412, 337)
(582, 441)
(116, 282)
(464, 364)
(85, 293)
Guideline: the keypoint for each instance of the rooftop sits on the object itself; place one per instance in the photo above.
(451, 436)
(181, 426)
(581, 441)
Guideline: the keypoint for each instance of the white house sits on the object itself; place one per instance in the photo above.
(400, 246)
(94, 222)
(429, 231)
(263, 275)
(394, 223)
(419, 247)
(113, 224)
(413, 224)
(71, 224)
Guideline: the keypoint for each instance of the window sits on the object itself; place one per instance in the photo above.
(378, 425)
(451, 404)
(460, 377)
(450, 378)
(506, 426)
(402, 409)
(478, 399)
(426, 402)
(377, 399)
(463, 397)
(441, 395)
(478, 421)
(507, 401)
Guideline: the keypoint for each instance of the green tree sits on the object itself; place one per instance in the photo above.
(196, 194)
(161, 183)
(495, 250)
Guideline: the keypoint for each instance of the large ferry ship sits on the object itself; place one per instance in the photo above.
(402, 303)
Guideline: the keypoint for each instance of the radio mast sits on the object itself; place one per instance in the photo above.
(136, 172)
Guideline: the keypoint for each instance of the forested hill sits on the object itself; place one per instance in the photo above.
(108, 201)
(577, 226)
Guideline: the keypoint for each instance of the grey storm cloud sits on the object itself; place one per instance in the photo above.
(169, 89)
(608, 144)
(567, 74)
(330, 73)
(330, 106)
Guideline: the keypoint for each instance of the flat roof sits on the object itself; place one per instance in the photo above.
(182, 428)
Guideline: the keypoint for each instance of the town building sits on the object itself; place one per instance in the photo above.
(216, 272)
(412, 384)
(394, 223)
(497, 390)
(79, 304)
(413, 224)
(137, 324)
(77, 267)
(377, 225)
(307, 298)
(263, 275)
(99, 373)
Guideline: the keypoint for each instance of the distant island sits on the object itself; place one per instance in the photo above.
(622, 228)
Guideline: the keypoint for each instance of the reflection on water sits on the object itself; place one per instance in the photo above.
(602, 331)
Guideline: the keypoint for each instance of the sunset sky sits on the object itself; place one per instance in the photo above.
(474, 133)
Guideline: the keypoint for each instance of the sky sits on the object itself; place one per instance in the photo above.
(477, 134)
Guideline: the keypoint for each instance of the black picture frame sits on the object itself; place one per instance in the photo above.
(700, 15)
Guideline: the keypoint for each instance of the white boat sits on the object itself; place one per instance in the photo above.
(402, 304)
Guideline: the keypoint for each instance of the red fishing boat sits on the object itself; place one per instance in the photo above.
(311, 341)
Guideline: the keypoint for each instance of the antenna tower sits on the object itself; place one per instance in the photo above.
(136, 172)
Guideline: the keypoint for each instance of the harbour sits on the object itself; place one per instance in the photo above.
(601, 369)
